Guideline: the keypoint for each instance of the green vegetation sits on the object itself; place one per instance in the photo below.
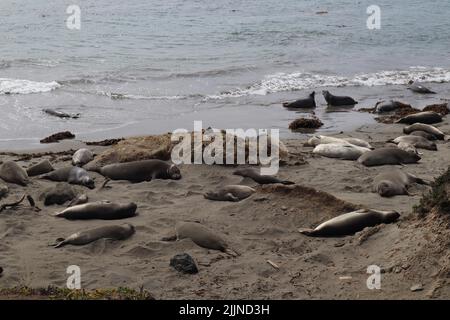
(437, 198)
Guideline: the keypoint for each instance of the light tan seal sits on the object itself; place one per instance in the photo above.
(230, 193)
(394, 182)
(13, 173)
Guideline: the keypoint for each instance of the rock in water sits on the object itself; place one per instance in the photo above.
(40, 168)
(58, 194)
(13, 173)
(184, 263)
(58, 136)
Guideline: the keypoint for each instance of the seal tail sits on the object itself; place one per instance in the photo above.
(307, 232)
(287, 182)
(59, 243)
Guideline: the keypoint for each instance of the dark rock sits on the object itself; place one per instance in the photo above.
(104, 143)
(184, 263)
(58, 194)
(305, 123)
(58, 136)
(1, 271)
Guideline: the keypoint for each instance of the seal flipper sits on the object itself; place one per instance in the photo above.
(287, 182)
(59, 243)
(307, 232)
(170, 238)
(229, 196)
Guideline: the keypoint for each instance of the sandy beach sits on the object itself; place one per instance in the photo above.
(264, 227)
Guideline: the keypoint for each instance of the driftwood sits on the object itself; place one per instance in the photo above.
(16, 203)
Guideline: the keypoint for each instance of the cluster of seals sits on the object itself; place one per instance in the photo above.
(338, 100)
(309, 102)
(416, 141)
(116, 232)
(340, 151)
(426, 117)
(388, 106)
(61, 114)
(139, 171)
(395, 182)
(352, 222)
(259, 178)
(104, 210)
(13, 173)
(72, 175)
(388, 155)
(433, 132)
(230, 193)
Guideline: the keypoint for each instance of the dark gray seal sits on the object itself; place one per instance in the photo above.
(394, 182)
(61, 114)
(426, 128)
(427, 117)
(144, 170)
(257, 177)
(338, 100)
(350, 223)
(39, 168)
(418, 88)
(388, 155)
(417, 142)
(116, 232)
(309, 102)
(230, 193)
(72, 175)
(424, 134)
(13, 173)
(104, 210)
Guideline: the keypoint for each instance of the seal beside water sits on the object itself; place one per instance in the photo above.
(338, 100)
(302, 103)
(426, 117)
(418, 87)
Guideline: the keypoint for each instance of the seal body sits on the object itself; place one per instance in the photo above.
(424, 134)
(340, 151)
(388, 155)
(417, 142)
(144, 170)
(407, 147)
(39, 168)
(302, 103)
(82, 156)
(318, 139)
(257, 177)
(426, 117)
(13, 173)
(72, 175)
(394, 182)
(201, 236)
(425, 128)
(352, 222)
(388, 106)
(116, 232)
(338, 100)
(105, 210)
(418, 88)
(61, 114)
(230, 193)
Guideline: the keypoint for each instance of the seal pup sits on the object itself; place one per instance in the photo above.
(318, 139)
(416, 141)
(351, 222)
(309, 102)
(104, 210)
(114, 232)
(387, 155)
(72, 175)
(13, 173)
(427, 128)
(82, 156)
(340, 151)
(61, 114)
(202, 236)
(230, 193)
(144, 170)
(338, 100)
(394, 182)
(258, 178)
(426, 117)
(39, 168)
(418, 88)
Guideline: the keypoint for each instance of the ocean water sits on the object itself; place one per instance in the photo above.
(147, 66)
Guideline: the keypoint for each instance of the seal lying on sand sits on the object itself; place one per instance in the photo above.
(105, 210)
(350, 223)
(13, 173)
(388, 106)
(82, 156)
(121, 232)
(427, 117)
(408, 147)
(318, 139)
(418, 88)
(72, 175)
(302, 103)
(39, 168)
(417, 142)
(340, 151)
(424, 134)
(427, 128)
(394, 182)
(388, 155)
(338, 100)
(230, 193)
(144, 170)
(257, 177)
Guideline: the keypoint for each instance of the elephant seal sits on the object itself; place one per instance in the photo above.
(340, 151)
(338, 100)
(39, 168)
(351, 222)
(424, 134)
(426, 128)
(202, 236)
(61, 114)
(388, 106)
(387, 155)
(302, 103)
(13, 173)
(426, 117)
(318, 139)
(230, 193)
(104, 210)
(81, 199)
(115, 232)
(407, 147)
(394, 182)
(82, 156)
(417, 142)
(257, 177)
(418, 88)
(144, 170)
(72, 175)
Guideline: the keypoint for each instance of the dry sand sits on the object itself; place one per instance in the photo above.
(261, 228)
